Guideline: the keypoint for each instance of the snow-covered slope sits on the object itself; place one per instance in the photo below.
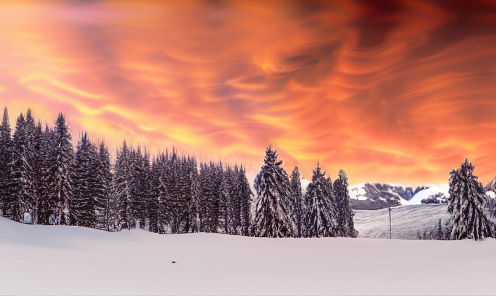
(432, 190)
(407, 221)
(72, 260)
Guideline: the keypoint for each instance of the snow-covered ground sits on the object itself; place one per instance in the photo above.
(73, 260)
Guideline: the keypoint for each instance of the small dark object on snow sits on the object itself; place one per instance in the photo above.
(173, 261)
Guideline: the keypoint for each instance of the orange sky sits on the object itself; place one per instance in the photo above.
(389, 91)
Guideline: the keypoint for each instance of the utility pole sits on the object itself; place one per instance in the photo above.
(389, 222)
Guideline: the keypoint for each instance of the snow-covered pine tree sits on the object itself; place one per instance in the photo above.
(158, 196)
(47, 202)
(193, 206)
(37, 165)
(234, 206)
(215, 198)
(173, 181)
(23, 185)
(6, 150)
(122, 190)
(204, 197)
(82, 204)
(345, 225)
(63, 158)
(102, 188)
(272, 212)
(297, 200)
(141, 185)
(320, 212)
(245, 196)
(225, 200)
(465, 204)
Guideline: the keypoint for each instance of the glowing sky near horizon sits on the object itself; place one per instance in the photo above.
(389, 91)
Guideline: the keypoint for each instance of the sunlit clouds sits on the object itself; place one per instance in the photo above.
(391, 91)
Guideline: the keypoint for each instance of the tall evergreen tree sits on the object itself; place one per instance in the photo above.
(22, 173)
(122, 191)
(6, 150)
(61, 168)
(297, 200)
(37, 170)
(245, 197)
(272, 213)
(102, 189)
(465, 204)
(345, 225)
(82, 204)
(47, 202)
(320, 212)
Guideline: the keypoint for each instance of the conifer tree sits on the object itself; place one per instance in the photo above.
(320, 212)
(465, 204)
(47, 201)
(272, 212)
(23, 195)
(6, 150)
(82, 204)
(204, 197)
(37, 169)
(102, 188)
(297, 200)
(245, 197)
(122, 191)
(345, 225)
(61, 168)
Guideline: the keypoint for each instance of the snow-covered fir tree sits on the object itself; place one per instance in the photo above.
(102, 189)
(37, 168)
(297, 199)
(62, 164)
(272, 212)
(82, 204)
(204, 197)
(245, 197)
(345, 226)
(23, 185)
(465, 204)
(320, 216)
(47, 202)
(122, 191)
(6, 150)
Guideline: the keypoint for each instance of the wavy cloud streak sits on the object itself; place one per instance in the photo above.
(393, 91)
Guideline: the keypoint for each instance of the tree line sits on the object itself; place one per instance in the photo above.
(44, 180)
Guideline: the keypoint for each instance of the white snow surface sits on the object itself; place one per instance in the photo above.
(432, 190)
(66, 260)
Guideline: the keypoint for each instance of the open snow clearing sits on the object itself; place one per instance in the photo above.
(37, 259)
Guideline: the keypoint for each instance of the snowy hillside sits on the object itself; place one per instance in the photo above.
(407, 221)
(72, 260)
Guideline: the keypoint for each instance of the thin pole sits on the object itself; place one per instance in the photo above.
(389, 222)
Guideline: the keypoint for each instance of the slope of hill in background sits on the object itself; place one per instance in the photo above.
(407, 221)
(74, 260)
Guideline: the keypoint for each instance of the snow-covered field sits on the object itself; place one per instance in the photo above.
(73, 260)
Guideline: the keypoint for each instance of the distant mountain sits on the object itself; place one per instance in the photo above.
(373, 196)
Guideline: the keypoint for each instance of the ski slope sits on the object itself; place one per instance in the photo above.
(61, 260)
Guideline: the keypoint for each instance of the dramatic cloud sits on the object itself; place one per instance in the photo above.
(394, 91)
